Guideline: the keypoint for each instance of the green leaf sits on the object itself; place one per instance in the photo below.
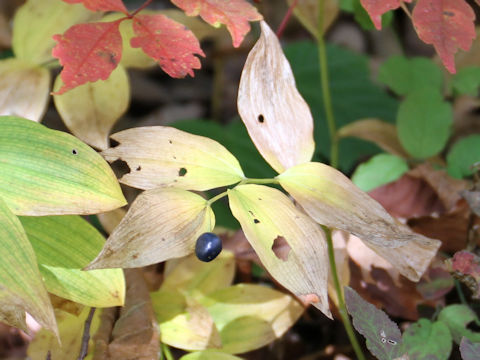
(289, 244)
(427, 340)
(466, 81)
(21, 285)
(457, 317)
(423, 122)
(66, 244)
(250, 316)
(463, 154)
(49, 172)
(469, 350)
(354, 97)
(404, 75)
(383, 336)
(379, 170)
(209, 355)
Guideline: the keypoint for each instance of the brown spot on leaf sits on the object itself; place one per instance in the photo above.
(138, 168)
(261, 118)
(280, 248)
(256, 221)
(449, 13)
(182, 172)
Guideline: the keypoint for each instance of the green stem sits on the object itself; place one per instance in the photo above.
(341, 302)
(258, 181)
(166, 351)
(216, 197)
(327, 100)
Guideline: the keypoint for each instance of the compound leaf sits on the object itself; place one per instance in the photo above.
(88, 52)
(235, 14)
(331, 199)
(101, 5)
(49, 172)
(64, 245)
(170, 43)
(383, 336)
(447, 24)
(160, 156)
(267, 110)
(290, 245)
(161, 224)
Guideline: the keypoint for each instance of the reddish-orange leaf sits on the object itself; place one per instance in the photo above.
(88, 52)
(447, 24)
(235, 14)
(376, 8)
(101, 5)
(170, 43)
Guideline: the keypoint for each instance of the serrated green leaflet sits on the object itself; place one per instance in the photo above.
(49, 172)
(64, 245)
(423, 122)
(404, 75)
(427, 340)
(21, 286)
(457, 317)
(383, 336)
(463, 154)
(378, 171)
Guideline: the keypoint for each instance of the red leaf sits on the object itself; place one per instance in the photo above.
(170, 43)
(101, 5)
(88, 52)
(466, 266)
(376, 8)
(235, 14)
(447, 24)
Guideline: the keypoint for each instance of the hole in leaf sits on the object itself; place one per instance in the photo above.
(280, 248)
(261, 119)
(120, 168)
(170, 141)
(256, 221)
(182, 172)
(392, 342)
(138, 168)
(74, 152)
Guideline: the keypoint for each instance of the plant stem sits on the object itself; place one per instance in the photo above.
(216, 197)
(327, 100)
(341, 302)
(144, 5)
(86, 335)
(166, 351)
(285, 19)
(258, 181)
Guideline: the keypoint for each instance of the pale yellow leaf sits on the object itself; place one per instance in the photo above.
(307, 12)
(183, 322)
(37, 21)
(24, 89)
(196, 278)
(377, 131)
(209, 355)
(161, 224)
(277, 118)
(111, 219)
(91, 110)
(331, 199)
(71, 329)
(160, 156)
(290, 245)
(251, 316)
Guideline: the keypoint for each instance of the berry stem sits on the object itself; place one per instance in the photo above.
(144, 5)
(216, 197)
(285, 19)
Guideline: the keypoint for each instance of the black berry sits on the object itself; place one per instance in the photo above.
(208, 247)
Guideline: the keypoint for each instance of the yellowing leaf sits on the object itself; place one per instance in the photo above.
(111, 219)
(49, 172)
(24, 89)
(90, 110)
(160, 156)
(196, 278)
(331, 199)
(307, 12)
(161, 224)
(209, 355)
(290, 245)
(377, 131)
(251, 316)
(183, 322)
(21, 286)
(277, 118)
(70, 328)
(64, 245)
(37, 21)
